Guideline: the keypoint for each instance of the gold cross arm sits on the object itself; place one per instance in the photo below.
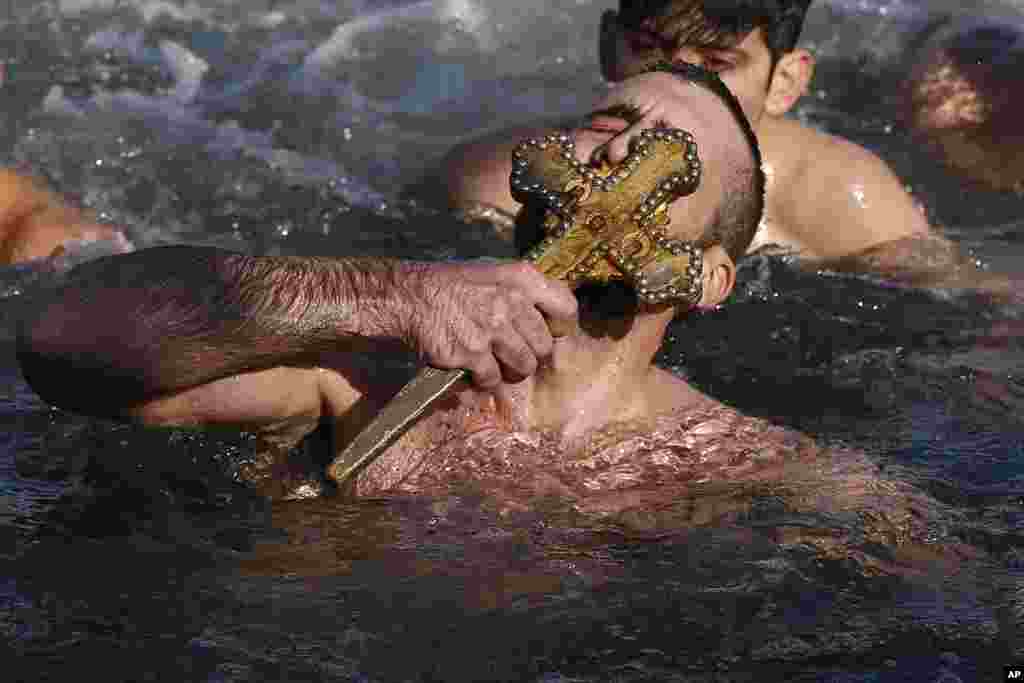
(609, 222)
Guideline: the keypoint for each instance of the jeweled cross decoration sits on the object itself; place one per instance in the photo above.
(609, 223)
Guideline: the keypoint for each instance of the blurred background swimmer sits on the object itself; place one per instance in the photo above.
(36, 224)
(965, 101)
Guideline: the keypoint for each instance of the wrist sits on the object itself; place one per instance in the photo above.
(387, 296)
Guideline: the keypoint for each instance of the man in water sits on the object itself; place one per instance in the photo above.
(829, 200)
(962, 101)
(191, 336)
(34, 224)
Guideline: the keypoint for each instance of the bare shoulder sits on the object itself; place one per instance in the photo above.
(830, 197)
(800, 151)
(673, 398)
(668, 392)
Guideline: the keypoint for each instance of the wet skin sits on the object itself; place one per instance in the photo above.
(34, 224)
(827, 199)
(597, 427)
(599, 372)
(263, 344)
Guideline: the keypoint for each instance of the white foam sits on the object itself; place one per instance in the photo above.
(272, 19)
(340, 45)
(79, 6)
(187, 67)
(154, 8)
(56, 103)
(150, 9)
(116, 40)
(464, 15)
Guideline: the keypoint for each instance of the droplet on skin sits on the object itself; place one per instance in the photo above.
(859, 196)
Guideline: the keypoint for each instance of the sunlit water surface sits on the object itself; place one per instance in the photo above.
(291, 127)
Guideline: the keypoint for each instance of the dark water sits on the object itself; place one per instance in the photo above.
(133, 555)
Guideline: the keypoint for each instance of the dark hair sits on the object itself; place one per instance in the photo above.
(738, 216)
(719, 23)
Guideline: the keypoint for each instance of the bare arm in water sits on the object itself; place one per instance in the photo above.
(197, 335)
(928, 261)
(35, 224)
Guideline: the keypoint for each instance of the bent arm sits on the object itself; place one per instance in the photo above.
(123, 331)
(930, 261)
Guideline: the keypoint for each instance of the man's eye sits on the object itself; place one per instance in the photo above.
(717, 64)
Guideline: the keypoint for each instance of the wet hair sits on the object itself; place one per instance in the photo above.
(719, 23)
(738, 216)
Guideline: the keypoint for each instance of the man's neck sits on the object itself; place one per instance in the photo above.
(589, 382)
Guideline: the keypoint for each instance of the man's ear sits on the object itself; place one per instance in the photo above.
(790, 80)
(719, 276)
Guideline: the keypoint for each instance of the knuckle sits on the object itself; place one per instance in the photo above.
(544, 344)
(488, 378)
(499, 316)
(477, 345)
(568, 299)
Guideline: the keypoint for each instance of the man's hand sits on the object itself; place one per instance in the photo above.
(200, 315)
(496, 321)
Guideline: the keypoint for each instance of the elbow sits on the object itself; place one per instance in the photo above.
(43, 361)
(36, 348)
(60, 373)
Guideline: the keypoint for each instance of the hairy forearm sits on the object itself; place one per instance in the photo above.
(142, 325)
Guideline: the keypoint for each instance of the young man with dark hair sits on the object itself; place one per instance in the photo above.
(828, 200)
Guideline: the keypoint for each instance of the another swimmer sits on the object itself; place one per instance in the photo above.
(35, 224)
(829, 200)
(265, 344)
(963, 100)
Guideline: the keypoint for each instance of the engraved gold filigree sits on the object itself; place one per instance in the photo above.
(608, 223)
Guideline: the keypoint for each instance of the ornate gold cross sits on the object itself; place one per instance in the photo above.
(609, 223)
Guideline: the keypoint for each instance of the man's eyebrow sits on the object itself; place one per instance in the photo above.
(627, 112)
